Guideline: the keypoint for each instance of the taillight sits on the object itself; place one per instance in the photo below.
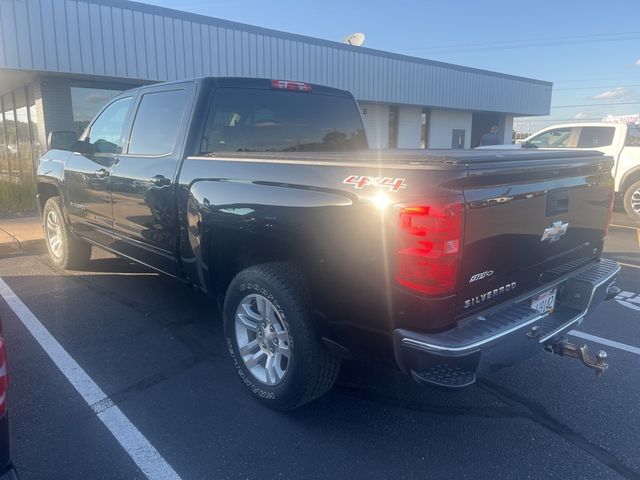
(3, 378)
(290, 85)
(428, 256)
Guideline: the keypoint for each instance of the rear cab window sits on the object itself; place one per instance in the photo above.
(255, 120)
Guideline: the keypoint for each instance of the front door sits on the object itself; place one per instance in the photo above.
(88, 170)
(457, 138)
(143, 181)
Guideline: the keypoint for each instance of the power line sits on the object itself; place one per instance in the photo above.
(595, 105)
(557, 120)
(592, 88)
(511, 46)
(596, 79)
(502, 42)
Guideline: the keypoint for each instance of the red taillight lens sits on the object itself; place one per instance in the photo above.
(428, 254)
(3, 379)
(289, 85)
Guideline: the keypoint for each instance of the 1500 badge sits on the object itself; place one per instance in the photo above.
(361, 181)
(480, 276)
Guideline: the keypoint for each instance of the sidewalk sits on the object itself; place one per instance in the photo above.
(20, 234)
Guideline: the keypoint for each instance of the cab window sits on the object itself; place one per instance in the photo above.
(158, 119)
(556, 138)
(105, 135)
(596, 137)
(633, 137)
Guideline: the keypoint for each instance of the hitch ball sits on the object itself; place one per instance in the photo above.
(564, 348)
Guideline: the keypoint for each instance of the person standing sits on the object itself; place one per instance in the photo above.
(491, 138)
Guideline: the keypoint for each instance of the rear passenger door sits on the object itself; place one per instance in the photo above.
(143, 182)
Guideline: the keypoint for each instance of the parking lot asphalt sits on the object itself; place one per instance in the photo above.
(156, 349)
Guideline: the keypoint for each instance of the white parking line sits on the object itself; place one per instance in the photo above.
(145, 456)
(605, 341)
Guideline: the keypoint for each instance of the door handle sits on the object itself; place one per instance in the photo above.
(160, 181)
(102, 173)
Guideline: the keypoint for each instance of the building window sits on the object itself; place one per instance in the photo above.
(424, 128)
(10, 148)
(393, 127)
(23, 137)
(36, 147)
(87, 102)
(4, 172)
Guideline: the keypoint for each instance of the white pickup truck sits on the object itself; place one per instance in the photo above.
(622, 142)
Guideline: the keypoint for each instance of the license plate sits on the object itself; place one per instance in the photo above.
(544, 302)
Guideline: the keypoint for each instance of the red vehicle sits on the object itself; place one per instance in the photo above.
(7, 472)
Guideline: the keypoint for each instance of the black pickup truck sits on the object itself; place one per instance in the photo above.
(263, 194)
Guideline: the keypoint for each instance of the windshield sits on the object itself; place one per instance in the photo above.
(243, 120)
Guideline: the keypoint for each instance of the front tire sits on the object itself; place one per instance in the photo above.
(632, 201)
(275, 349)
(65, 251)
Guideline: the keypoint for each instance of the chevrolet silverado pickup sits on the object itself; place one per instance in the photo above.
(263, 194)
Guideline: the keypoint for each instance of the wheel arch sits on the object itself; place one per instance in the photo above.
(629, 178)
(47, 190)
(231, 225)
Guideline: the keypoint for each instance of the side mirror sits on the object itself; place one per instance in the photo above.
(61, 140)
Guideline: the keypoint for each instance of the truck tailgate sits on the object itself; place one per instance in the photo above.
(529, 221)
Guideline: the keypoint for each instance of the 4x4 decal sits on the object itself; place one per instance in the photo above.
(361, 181)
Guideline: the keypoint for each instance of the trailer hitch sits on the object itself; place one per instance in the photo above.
(563, 348)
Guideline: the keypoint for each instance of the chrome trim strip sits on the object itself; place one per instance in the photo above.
(565, 326)
(429, 346)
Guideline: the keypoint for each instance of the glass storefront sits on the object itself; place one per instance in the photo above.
(19, 136)
(3, 166)
(10, 149)
(36, 147)
(24, 162)
(20, 145)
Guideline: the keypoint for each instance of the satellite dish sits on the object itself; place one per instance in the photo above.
(355, 39)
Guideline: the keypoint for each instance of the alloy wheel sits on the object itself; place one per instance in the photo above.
(54, 233)
(262, 338)
(635, 201)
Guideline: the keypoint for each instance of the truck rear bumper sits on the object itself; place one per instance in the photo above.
(500, 338)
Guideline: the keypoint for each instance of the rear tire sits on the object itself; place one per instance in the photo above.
(632, 201)
(270, 336)
(65, 250)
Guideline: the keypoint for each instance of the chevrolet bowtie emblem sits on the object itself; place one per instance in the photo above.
(554, 232)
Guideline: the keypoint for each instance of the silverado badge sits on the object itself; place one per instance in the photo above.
(554, 232)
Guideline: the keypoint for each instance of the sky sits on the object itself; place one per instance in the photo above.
(589, 49)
